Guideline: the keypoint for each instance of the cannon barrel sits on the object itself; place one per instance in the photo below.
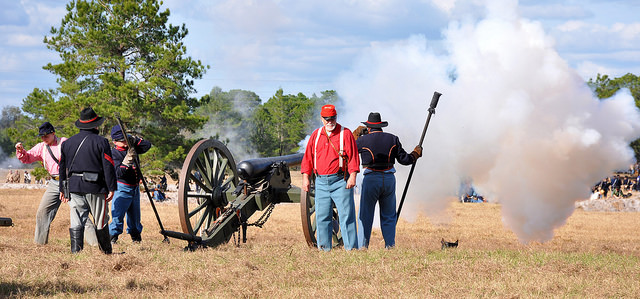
(257, 167)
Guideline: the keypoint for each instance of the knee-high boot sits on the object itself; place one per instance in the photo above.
(77, 239)
(104, 239)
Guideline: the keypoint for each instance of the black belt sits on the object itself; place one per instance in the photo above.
(379, 166)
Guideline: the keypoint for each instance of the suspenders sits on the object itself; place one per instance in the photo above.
(340, 153)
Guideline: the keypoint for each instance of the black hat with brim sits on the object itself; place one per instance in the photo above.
(375, 121)
(89, 119)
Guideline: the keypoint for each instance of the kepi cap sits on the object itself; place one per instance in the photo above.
(116, 133)
(45, 129)
(328, 111)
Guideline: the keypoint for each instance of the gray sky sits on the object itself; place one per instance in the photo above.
(304, 46)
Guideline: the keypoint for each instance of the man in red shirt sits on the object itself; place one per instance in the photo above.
(332, 155)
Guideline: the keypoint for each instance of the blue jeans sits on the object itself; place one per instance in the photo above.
(126, 201)
(378, 187)
(333, 188)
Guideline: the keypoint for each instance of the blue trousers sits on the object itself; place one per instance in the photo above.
(333, 188)
(126, 201)
(378, 187)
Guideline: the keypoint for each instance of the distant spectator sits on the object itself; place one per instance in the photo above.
(163, 183)
(605, 186)
(9, 177)
(595, 192)
(27, 177)
(158, 195)
(16, 177)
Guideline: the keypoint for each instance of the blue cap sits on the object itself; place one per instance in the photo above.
(116, 133)
(45, 129)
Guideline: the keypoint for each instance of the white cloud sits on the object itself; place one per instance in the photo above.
(24, 40)
(583, 36)
(445, 5)
(555, 11)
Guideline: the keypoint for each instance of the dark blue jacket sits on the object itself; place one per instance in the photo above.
(94, 156)
(379, 151)
(128, 174)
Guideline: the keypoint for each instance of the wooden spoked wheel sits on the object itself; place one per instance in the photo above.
(208, 173)
(308, 213)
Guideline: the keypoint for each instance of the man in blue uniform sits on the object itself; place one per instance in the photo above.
(86, 164)
(378, 152)
(126, 200)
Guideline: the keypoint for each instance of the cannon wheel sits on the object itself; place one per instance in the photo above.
(208, 172)
(308, 211)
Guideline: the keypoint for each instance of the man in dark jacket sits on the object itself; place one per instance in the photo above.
(378, 153)
(87, 166)
(126, 200)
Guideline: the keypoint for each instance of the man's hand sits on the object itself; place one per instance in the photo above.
(19, 147)
(62, 198)
(351, 182)
(416, 153)
(128, 159)
(305, 182)
(109, 196)
(359, 131)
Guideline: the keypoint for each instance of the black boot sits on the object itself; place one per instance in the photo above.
(104, 240)
(136, 238)
(77, 239)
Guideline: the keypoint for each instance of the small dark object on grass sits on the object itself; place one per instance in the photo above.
(4, 221)
(446, 244)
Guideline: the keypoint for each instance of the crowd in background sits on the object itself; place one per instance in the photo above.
(620, 185)
(15, 176)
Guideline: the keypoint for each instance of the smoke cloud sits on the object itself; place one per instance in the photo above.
(513, 117)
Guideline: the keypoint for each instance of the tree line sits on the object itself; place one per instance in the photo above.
(122, 57)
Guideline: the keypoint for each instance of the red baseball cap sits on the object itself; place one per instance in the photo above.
(328, 110)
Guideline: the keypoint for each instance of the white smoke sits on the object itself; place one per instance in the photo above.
(517, 119)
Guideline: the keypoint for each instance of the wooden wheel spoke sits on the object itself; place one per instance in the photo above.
(225, 186)
(199, 183)
(201, 221)
(221, 171)
(199, 195)
(198, 208)
(213, 165)
(203, 170)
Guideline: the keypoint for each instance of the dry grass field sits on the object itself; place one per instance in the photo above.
(596, 254)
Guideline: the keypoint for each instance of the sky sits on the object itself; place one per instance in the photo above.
(515, 117)
(304, 46)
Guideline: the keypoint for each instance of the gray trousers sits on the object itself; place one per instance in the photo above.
(81, 204)
(47, 210)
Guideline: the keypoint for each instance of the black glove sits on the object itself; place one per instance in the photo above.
(416, 153)
(359, 131)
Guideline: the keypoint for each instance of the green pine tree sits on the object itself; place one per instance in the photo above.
(121, 56)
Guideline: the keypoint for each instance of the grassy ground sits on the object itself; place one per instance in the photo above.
(596, 254)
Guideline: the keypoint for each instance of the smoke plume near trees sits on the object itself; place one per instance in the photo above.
(514, 117)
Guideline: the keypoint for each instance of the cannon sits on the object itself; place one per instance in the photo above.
(216, 196)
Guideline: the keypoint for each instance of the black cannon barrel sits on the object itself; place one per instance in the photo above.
(253, 168)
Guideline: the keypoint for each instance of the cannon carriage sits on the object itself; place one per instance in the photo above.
(216, 196)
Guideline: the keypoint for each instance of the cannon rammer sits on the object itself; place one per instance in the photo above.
(216, 196)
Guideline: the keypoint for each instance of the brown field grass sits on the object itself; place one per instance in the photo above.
(596, 254)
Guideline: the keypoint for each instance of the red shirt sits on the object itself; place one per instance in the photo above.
(327, 157)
